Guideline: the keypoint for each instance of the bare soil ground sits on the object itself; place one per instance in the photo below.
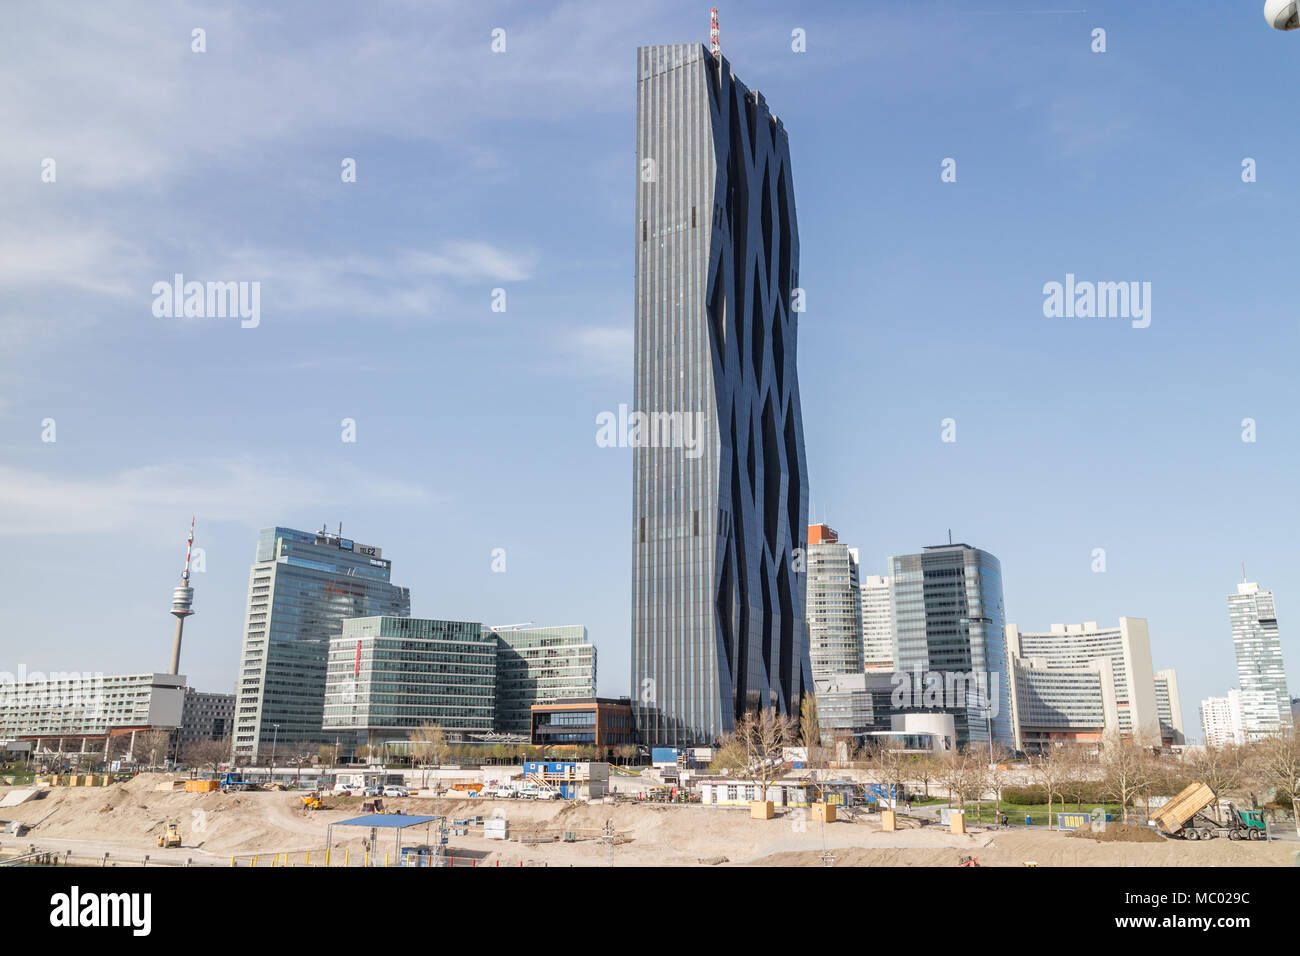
(126, 819)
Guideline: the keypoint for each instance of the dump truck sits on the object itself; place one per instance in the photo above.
(171, 836)
(1184, 816)
(234, 782)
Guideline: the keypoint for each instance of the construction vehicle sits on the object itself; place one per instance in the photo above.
(171, 836)
(1184, 816)
(313, 802)
(234, 782)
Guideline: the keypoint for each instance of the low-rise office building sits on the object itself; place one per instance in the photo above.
(602, 723)
(80, 712)
(388, 676)
(206, 716)
(540, 665)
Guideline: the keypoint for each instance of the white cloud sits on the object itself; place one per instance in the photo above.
(236, 489)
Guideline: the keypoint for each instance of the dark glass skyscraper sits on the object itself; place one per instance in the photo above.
(718, 622)
(301, 588)
(949, 621)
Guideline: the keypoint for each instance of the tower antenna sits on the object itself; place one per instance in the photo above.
(715, 47)
(182, 602)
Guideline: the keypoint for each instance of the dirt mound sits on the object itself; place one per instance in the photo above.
(1121, 833)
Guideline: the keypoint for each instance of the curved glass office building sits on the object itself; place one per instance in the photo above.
(720, 488)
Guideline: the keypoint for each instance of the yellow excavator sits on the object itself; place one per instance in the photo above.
(313, 802)
(171, 836)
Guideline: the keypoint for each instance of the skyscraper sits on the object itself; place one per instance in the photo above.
(877, 623)
(718, 623)
(1169, 706)
(1265, 702)
(834, 605)
(301, 588)
(948, 619)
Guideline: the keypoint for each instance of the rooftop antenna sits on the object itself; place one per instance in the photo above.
(950, 535)
(715, 47)
(182, 602)
(1243, 572)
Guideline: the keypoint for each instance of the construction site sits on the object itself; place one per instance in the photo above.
(155, 819)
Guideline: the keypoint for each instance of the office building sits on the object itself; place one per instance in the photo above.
(1266, 703)
(1126, 648)
(1221, 720)
(540, 665)
(206, 716)
(389, 676)
(1169, 708)
(949, 620)
(601, 723)
(720, 485)
(877, 602)
(845, 706)
(1067, 704)
(834, 605)
(82, 712)
(301, 589)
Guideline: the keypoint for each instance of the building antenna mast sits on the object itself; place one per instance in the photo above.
(715, 47)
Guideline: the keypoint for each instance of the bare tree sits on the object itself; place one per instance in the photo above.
(1220, 768)
(153, 744)
(998, 776)
(891, 766)
(1277, 761)
(810, 730)
(755, 751)
(925, 768)
(1050, 773)
(1127, 771)
(427, 746)
(207, 753)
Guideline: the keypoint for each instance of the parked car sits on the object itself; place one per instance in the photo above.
(395, 791)
(373, 792)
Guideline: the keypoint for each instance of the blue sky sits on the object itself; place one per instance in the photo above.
(476, 429)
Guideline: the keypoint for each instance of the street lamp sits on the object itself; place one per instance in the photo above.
(274, 738)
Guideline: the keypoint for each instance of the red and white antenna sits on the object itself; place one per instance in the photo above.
(715, 47)
(189, 547)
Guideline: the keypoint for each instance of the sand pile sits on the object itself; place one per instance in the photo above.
(1121, 833)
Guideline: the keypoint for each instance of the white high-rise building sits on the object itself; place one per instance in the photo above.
(834, 612)
(1265, 702)
(877, 623)
(1127, 648)
(1170, 708)
(1221, 719)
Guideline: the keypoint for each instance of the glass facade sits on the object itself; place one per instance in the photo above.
(1265, 701)
(301, 589)
(540, 665)
(949, 618)
(834, 610)
(387, 675)
(718, 622)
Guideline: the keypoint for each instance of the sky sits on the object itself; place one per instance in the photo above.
(514, 170)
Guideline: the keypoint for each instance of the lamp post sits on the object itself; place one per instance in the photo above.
(274, 739)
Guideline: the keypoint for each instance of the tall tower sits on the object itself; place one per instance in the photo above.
(301, 589)
(1265, 701)
(720, 503)
(182, 603)
(949, 618)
